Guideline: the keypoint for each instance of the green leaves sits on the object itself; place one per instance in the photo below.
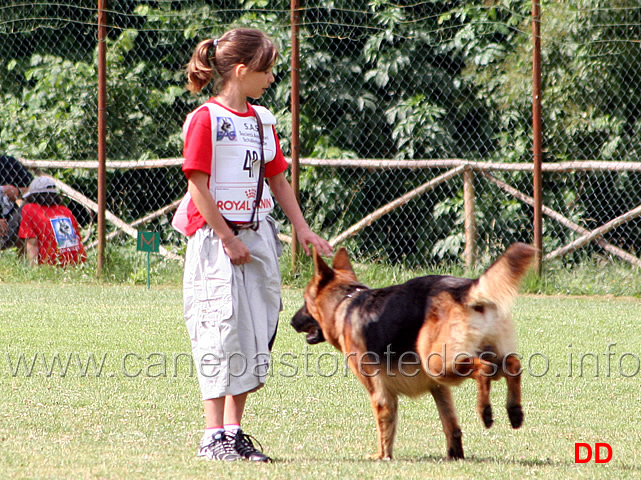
(419, 128)
(424, 80)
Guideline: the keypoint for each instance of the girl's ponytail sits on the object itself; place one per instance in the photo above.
(200, 69)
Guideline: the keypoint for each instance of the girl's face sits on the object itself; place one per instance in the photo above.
(254, 84)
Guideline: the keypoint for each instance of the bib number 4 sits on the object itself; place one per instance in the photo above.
(251, 157)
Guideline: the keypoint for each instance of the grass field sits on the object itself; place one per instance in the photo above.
(134, 412)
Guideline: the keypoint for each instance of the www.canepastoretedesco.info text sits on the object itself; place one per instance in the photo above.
(570, 364)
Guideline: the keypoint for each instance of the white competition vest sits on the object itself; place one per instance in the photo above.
(235, 162)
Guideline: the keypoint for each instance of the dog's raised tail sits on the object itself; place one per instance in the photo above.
(499, 284)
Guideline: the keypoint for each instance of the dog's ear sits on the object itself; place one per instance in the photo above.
(321, 269)
(341, 261)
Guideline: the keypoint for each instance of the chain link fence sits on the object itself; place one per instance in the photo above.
(415, 125)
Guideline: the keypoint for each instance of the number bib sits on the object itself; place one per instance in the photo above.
(236, 162)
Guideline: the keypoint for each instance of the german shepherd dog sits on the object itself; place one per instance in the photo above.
(425, 335)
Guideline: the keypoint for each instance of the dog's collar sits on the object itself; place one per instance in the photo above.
(347, 300)
(351, 293)
(354, 292)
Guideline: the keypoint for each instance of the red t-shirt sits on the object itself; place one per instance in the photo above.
(57, 232)
(197, 152)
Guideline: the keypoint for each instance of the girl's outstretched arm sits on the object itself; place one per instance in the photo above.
(285, 197)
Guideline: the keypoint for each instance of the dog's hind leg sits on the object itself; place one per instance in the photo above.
(446, 410)
(385, 406)
(513, 378)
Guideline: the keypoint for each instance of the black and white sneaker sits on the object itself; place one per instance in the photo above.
(245, 447)
(221, 447)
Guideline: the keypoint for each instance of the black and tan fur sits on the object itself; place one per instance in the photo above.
(425, 335)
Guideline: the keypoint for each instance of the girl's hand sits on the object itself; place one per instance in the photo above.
(237, 251)
(307, 237)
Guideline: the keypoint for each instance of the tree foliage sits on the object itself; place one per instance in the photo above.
(430, 79)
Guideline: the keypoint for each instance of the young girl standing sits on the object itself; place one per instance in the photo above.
(232, 279)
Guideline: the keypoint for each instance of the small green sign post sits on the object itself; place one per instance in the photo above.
(148, 242)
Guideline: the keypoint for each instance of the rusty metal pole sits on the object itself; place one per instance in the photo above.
(537, 148)
(102, 131)
(469, 205)
(295, 105)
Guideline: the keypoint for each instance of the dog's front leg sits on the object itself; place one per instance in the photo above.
(513, 378)
(446, 410)
(483, 374)
(385, 407)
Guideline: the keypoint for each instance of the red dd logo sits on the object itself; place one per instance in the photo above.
(586, 450)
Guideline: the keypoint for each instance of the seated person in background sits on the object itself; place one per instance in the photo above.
(14, 181)
(14, 174)
(49, 229)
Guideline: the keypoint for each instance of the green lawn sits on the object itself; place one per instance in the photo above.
(134, 412)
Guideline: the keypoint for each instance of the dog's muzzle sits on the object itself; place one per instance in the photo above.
(303, 322)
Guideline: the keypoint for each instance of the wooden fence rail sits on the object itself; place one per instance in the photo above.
(455, 167)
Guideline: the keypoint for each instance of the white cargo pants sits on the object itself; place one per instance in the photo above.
(231, 312)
